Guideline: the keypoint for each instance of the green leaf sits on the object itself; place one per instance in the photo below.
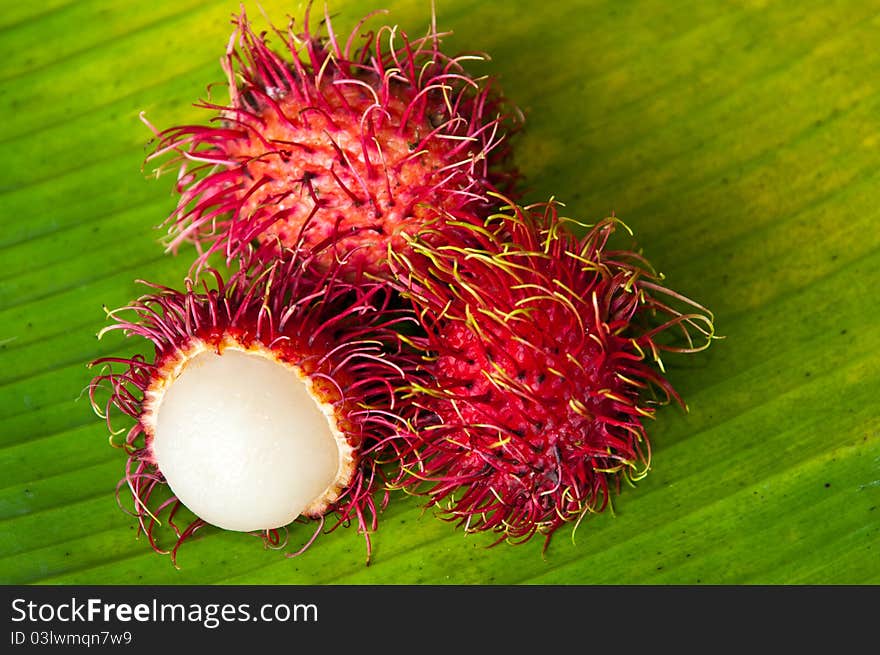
(739, 140)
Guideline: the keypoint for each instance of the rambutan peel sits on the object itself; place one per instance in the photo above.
(328, 143)
(269, 398)
(543, 358)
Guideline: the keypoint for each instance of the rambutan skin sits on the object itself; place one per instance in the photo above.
(542, 352)
(342, 337)
(337, 143)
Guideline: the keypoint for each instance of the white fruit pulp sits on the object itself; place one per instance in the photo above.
(242, 442)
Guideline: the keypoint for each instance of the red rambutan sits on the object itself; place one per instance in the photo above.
(268, 398)
(336, 143)
(543, 358)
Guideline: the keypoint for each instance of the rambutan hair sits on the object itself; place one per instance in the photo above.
(543, 359)
(337, 142)
(342, 336)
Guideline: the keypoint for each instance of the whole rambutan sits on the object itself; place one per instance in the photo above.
(542, 351)
(267, 398)
(330, 142)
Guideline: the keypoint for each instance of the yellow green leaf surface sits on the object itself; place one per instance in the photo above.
(740, 140)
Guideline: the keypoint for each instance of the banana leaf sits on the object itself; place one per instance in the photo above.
(739, 140)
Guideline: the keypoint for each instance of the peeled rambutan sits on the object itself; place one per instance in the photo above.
(542, 351)
(267, 399)
(332, 142)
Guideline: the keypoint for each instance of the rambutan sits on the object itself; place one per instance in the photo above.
(337, 143)
(268, 398)
(542, 351)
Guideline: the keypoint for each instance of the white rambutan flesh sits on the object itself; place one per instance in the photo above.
(241, 440)
(271, 398)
